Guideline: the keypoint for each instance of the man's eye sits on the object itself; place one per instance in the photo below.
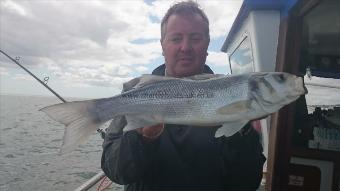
(176, 39)
(196, 38)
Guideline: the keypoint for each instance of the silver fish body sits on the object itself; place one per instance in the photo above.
(202, 100)
(175, 101)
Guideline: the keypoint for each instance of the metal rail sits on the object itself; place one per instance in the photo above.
(90, 183)
(95, 179)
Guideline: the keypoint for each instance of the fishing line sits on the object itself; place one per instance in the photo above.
(105, 183)
(45, 79)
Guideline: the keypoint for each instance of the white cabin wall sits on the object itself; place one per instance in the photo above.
(264, 25)
(243, 31)
(262, 29)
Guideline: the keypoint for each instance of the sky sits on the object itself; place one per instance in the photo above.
(88, 48)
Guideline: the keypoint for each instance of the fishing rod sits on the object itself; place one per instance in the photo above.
(102, 133)
(44, 84)
(99, 176)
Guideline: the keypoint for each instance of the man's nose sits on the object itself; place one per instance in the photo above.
(186, 45)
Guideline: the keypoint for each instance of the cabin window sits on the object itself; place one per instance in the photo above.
(321, 40)
(241, 60)
(320, 54)
(318, 125)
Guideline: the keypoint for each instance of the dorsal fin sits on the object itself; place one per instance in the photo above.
(130, 84)
(144, 80)
(204, 76)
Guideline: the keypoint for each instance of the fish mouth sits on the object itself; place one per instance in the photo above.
(299, 86)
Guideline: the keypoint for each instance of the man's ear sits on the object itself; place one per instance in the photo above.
(162, 46)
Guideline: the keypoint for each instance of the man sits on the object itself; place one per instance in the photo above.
(176, 157)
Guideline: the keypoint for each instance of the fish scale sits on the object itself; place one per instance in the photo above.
(201, 100)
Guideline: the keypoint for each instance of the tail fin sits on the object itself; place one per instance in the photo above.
(80, 120)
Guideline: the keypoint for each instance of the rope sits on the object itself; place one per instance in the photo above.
(105, 183)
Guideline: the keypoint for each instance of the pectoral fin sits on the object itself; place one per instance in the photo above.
(230, 128)
(138, 121)
(235, 108)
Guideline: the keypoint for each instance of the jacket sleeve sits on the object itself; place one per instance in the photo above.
(126, 156)
(244, 161)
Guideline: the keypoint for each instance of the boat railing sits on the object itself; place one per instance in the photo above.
(91, 182)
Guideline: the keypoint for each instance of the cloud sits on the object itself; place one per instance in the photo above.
(221, 14)
(100, 43)
(14, 7)
(23, 77)
(4, 71)
(217, 58)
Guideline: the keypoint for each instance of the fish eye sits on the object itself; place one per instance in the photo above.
(280, 77)
(253, 86)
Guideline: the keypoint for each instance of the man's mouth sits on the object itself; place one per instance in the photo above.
(185, 59)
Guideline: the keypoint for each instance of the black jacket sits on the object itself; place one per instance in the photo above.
(184, 158)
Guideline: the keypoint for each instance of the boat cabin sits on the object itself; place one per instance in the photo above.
(302, 37)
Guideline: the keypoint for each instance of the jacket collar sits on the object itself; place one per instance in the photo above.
(160, 70)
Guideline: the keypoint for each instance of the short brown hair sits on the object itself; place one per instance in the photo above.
(184, 8)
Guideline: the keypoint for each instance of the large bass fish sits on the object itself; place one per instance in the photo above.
(200, 100)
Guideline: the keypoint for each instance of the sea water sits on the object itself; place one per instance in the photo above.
(29, 146)
(30, 141)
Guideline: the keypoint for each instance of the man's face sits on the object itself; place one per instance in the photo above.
(185, 45)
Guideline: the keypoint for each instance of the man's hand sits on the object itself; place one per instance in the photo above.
(151, 132)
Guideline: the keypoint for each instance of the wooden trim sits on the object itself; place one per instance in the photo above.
(288, 58)
(308, 5)
(279, 140)
(271, 171)
(274, 137)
